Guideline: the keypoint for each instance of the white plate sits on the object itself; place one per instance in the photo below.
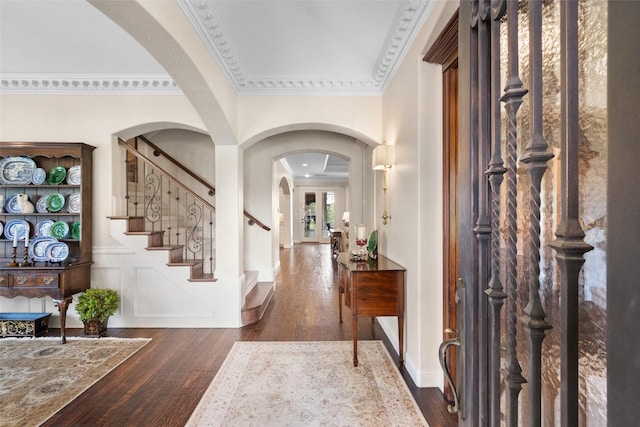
(41, 206)
(74, 175)
(16, 170)
(74, 203)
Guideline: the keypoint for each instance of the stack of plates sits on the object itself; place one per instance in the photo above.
(48, 249)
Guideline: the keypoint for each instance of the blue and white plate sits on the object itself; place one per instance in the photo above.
(41, 205)
(1, 228)
(19, 226)
(38, 176)
(74, 203)
(38, 248)
(57, 252)
(11, 204)
(74, 175)
(43, 228)
(16, 170)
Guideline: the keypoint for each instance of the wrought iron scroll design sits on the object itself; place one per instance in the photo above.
(569, 244)
(483, 225)
(184, 218)
(495, 173)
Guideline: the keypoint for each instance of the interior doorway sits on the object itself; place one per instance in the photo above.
(318, 215)
(445, 52)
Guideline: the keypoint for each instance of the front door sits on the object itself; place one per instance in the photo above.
(317, 216)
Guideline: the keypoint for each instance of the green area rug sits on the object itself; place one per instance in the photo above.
(307, 384)
(39, 376)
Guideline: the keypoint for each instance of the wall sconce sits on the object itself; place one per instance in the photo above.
(345, 219)
(383, 158)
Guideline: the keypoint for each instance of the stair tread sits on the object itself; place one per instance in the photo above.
(258, 295)
(190, 262)
(142, 233)
(204, 278)
(164, 248)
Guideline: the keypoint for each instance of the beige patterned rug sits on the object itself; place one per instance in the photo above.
(39, 376)
(307, 384)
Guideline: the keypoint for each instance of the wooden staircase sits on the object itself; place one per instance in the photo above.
(257, 300)
(175, 253)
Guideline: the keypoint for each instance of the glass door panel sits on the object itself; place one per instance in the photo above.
(309, 219)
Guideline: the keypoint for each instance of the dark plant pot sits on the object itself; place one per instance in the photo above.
(96, 328)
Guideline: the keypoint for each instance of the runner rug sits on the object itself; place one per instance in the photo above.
(307, 384)
(39, 376)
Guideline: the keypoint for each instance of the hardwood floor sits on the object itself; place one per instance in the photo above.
(162, 383)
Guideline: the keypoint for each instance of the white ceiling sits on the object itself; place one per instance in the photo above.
(292, 47)
(263, 46)
(317, 167)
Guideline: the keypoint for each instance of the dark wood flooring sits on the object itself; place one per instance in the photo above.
(162, 383)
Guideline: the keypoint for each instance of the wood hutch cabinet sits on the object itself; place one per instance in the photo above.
(61, 278)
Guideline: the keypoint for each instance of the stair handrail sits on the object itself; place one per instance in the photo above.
(157, 151)
(148, 161)
(251, 219)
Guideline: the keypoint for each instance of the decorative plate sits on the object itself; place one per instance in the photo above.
(74, 203)
(57, 251)
(43, 228)
(38, 176)
(59, 230)
(75, 230)
(16, 170)
(1, 228)
(41, 206)
(16, 226)
(55, 202)
(11, 204)
(38, 248)
(56, 175)
(74, 175)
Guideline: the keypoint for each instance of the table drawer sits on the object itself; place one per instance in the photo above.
(33, 280)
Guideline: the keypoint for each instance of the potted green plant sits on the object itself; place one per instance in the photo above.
(94, 308)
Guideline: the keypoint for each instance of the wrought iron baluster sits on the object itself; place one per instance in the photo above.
(483, 225)
(513, 95)
(495, 174)
(535, 160)
(569, 244)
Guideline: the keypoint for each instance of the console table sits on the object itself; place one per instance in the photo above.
(372, 288)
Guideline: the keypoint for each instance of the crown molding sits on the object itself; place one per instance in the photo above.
(204, 19)
(88, 84)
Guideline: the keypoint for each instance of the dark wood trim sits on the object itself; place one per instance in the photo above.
(445, 44)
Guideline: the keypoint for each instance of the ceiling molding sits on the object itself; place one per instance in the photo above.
(88, 84)
(204, 19)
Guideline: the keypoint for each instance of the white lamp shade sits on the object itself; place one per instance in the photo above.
(384, 156)
(345, 217)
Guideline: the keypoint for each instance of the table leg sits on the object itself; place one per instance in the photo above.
(340, 292)
(401, 339)
(354, 329)
(62, 308)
